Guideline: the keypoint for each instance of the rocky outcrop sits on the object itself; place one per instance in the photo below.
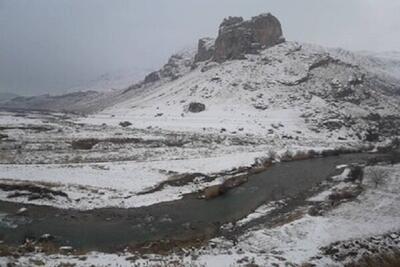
(205, 50)
(172, 70)
(237, 37)
(176, 66)
(152, 77)
(196, 107)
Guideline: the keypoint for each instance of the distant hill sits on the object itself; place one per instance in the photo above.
(89, 96)
(7, 96)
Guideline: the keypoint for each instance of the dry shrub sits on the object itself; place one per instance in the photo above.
(272, 155)
(389, 259)
(263, 162)
(313, 153)
(286, 156)
(338, 196)
(356, 173)
(378, 176)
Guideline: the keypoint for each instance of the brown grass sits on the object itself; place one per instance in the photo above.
(290, 217)
(389, 259)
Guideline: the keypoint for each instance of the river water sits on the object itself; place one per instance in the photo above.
(189, 218)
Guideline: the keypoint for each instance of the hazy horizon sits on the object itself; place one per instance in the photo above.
(50, 46)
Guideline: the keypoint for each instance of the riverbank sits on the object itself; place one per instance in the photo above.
(372, 219)
(184, 221)
(98, 166)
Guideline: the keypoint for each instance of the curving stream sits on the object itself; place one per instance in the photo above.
(189, 218)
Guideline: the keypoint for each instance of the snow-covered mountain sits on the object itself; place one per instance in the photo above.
(279, 87)
(288, 88)
(262, 84)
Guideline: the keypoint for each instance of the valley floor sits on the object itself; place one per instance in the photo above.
(111, 166)
(366, 226)
(54, 159)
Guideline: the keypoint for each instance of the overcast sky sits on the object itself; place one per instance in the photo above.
(47, 46)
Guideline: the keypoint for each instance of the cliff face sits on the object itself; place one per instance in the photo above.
(237, 37)
(205, 49)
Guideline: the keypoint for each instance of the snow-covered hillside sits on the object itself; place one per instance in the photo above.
(290, 89)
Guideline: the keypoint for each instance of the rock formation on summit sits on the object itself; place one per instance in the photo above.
(237, 37)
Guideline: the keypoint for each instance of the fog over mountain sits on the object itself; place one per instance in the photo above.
(51, 46)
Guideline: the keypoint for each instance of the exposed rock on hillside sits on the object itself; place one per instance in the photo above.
(177, 65)
(205, 50)
(152, 77)
(196, 107)
(237, 37)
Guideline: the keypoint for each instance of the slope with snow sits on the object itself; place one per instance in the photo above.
(287, 89)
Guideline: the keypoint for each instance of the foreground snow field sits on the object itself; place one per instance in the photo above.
(302, 239)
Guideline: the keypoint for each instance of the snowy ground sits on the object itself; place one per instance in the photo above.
(300, 240)
(375, 212)
(117, 184)
(123, 162)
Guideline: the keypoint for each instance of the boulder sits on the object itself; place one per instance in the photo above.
(213, 191)
(196, 107)
(237, 37)
(210, 65)
(84, 144)
(125, 123)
